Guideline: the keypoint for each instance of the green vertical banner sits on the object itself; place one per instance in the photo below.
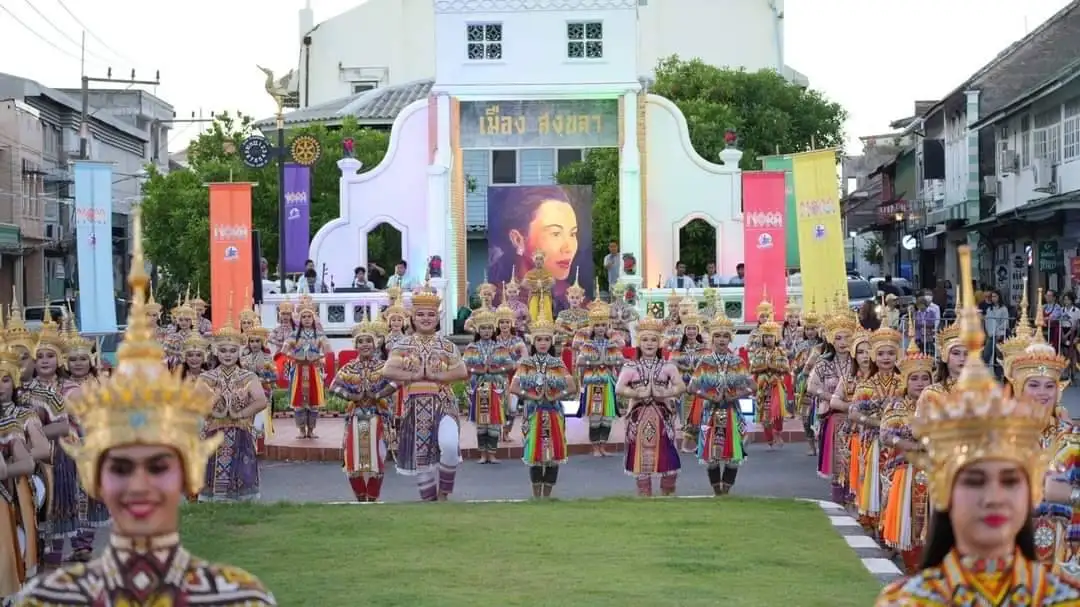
(791, 226)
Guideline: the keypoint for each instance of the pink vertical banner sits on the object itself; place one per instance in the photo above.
(764, 250)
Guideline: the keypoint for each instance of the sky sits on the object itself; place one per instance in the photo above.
(874, 57)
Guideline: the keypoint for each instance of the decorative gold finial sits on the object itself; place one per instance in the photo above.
(912, 347)
(975, 373)
(1040, 320)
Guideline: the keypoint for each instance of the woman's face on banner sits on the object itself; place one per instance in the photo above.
(553, 231)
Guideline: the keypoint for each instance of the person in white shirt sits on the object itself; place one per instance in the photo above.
(996, 318)
(400, 278)
(740, 275)
(360, 280)
(681, 280)
(711, 278)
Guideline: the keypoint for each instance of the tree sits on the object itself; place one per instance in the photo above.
(768, 113)
(176, 205)
(873, 252)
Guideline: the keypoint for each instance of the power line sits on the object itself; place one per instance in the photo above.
(90, 32)
(37, 35)
(63, 33)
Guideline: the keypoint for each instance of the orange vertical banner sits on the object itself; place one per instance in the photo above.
(230, 250)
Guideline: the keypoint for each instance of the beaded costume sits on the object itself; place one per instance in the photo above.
(306, 350)
(685, 357)
(489, 363)
(825, 377)
(770, 369)
(599, 360)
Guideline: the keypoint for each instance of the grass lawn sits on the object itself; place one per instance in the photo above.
(618, 552)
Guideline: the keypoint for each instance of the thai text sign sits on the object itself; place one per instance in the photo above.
(577, 123)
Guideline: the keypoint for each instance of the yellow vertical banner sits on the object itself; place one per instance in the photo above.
(821, 236)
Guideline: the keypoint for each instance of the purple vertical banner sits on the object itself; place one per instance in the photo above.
(297, 216)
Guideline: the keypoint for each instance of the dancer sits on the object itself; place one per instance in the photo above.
(286, 325)
(685, 356)
(986, 466)
(306, 350)
(542, 381)
(489, 364)
(508, 338)
(184, 318)
(232, 470)
(512, 299)
(805, 356)
(680, 309)
(80, 363)
(651, 385)
(906, 504)
(624, 313)
(18, 536)
(1018, 342)
(599, 360)
(397, 322)
(951, 356)
(769, 367)
(153, 312)
(721, 379)
(362, 384)
(570, 321)
(872, 395)
(255, 357)
(193, 356)
(202, 323)
(142, 453)
(833, 366)
(427, 363)
(792, 333)
(539, 282)
(842, 399)
(764, 313)
(486, 292)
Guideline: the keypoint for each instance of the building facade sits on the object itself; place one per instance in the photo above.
(123, 129)
(383, 43)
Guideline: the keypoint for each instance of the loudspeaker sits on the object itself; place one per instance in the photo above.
(256, 268)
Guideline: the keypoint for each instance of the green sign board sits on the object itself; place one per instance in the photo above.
(1050, 259)
(791, 226)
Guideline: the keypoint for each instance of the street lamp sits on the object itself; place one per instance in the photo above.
(899, 236)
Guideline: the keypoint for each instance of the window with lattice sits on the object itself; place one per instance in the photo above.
(585, 40)
(484, 41)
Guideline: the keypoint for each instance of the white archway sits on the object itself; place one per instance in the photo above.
(374, 222)
(682, 223)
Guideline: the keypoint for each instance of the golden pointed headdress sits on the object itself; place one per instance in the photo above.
(693, 319)
(810, 317)
(184, 310)
(576, 289)
(599, 313)
(195, 342)
(861, 336)
(368, 327)
(228, 333)
(16, 334)
(886, 337)
(153, 308)
(248, 314)
(9, 361)
(914, 360)
(198, 304)
(75, 343)
(142, 402)
(286, 307)
(307, 305)
(977, 421)
(842, 319)
(49, 337)
(486, 289)
(770, 327)
(720, 322)
(544, 325)
(1022, 334)
(792, 309)
(673, 299)
(504, 311)
(650, 325)
(1039, 359)
(257, 329)
(426, 297)
(764, 307)
(484, 318)
(511, 288)
(396, 309)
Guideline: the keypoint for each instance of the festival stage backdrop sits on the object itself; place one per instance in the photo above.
(93, 230)
(763, 242)
(230, 250)
(791, 226)
(297, 216)
(821, 238)
(554, 219)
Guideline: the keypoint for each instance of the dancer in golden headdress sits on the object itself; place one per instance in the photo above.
(508, 338)
(542, 381)
(486, 292)
(511, 298)
(685, 355)
(367, 419)
(721, 379)
(770, 367)
(490, 364)
(844, 398)
(428, 363)
(286, 325)
(599, 360)
(202, 323)
(184, 319)
(1020, 340)
(80, 362)
(652, 385)
(803, 358)
(142, 452)
(571, 320)
(539, 283)
(307, 349)
(903, 525)
(256, 357)
(764, 312)
(624, 312)
(232, 472)
(19, 558)
(834, 366)
(986, 465)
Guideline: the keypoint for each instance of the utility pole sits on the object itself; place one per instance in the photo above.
(171, 121)
(84, 129)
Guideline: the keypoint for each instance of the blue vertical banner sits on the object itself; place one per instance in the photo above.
(93, 233)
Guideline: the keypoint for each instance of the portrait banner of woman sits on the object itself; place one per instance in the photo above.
(542, 236)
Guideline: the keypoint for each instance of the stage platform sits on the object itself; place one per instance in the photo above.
(286, 445)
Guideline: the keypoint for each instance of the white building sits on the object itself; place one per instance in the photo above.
(382, 43)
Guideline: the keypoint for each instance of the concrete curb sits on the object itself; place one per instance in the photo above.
(876, 559)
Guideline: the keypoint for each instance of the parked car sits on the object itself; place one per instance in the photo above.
(35, 315)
